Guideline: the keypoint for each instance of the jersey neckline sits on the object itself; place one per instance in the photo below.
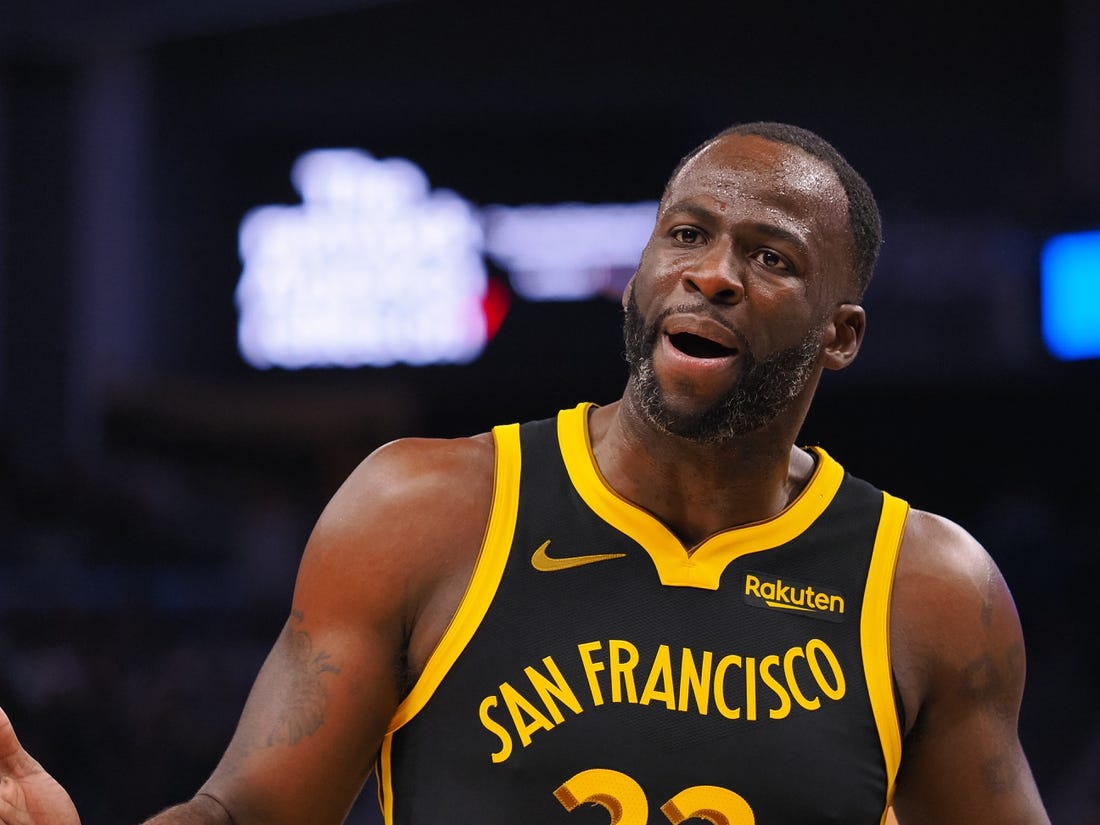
(677, 565)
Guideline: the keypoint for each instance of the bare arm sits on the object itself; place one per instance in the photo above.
(202, 810)
(959, 658)
(382, 574)
(380, 579)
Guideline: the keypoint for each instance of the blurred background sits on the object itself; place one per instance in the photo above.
(171, 428)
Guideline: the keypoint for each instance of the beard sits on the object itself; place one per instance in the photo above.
(763, 390)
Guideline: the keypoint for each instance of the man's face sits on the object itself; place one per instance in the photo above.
(757, 395)
(731, 304)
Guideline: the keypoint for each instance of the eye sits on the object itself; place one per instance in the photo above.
(687, 235)
(770, 259)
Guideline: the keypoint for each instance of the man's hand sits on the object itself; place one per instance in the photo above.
(29, 795)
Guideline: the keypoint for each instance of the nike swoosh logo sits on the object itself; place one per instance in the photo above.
(546, 564)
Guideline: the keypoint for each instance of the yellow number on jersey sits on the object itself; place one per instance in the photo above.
(625, 800)
(718, 806)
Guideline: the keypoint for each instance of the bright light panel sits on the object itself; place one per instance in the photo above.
(376, 268)
(373, 268)
(1070, 275)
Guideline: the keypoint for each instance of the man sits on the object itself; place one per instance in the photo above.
(652, 611)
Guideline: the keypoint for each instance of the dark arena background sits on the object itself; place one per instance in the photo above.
(156, 487)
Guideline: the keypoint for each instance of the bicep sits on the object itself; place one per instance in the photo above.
(315, 716)
(962, 761)
(371, 574)
(966, 767)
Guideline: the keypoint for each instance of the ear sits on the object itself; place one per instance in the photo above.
(843, 336)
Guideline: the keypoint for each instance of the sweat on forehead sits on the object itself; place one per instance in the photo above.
(782, 169)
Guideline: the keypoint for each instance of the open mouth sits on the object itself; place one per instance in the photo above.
(698, 347)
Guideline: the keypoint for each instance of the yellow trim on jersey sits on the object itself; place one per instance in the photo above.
(676, 565)
(383, 775)
(471, 610)
(874, 625)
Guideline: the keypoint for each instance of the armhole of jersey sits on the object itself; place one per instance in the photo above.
(875, 634)
(484, 581)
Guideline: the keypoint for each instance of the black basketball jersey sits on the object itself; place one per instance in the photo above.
(598, 672)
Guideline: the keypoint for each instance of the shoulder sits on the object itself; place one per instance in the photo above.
(410, 516)
(409, 475)
(955, 631)
(942, 559)
(409, 464)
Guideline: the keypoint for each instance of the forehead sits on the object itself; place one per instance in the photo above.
(776, 178)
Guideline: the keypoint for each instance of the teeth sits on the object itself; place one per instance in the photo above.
(699, 347)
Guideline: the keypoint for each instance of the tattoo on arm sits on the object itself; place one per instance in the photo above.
(306, 697)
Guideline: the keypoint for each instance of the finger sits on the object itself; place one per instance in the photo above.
(9, 742)
(13, 759)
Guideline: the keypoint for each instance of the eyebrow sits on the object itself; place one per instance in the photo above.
(778, 233)
(700, 212)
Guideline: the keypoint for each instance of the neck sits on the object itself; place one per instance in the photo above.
(698, 489)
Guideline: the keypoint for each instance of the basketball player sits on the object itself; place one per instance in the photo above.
(659, 610)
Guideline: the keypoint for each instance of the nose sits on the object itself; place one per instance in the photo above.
(715, 276)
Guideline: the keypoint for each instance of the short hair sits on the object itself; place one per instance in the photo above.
(864, 218)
